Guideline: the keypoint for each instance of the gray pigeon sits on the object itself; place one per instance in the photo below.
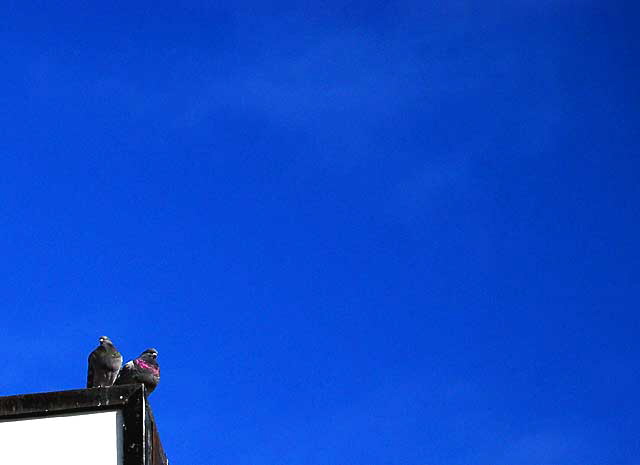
(144, 369)
(104, 364)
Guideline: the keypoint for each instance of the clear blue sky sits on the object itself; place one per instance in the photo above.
(358, 233)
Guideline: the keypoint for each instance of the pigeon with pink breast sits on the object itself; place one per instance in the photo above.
(142, 370)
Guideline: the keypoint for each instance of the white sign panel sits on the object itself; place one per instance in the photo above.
(75, 439)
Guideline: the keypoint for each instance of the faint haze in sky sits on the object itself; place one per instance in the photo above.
(377, 233)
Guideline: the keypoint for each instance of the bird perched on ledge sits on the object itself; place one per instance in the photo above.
(144, 369)
(104, 364)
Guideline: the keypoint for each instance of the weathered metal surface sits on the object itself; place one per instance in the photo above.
(134, 437)
(155, 452)
(48, 403)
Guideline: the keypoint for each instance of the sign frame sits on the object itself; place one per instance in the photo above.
(141, 443)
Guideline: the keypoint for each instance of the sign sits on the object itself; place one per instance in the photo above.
(98, 426)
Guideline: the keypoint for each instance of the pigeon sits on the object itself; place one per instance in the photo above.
(144, 369)
(104, 364)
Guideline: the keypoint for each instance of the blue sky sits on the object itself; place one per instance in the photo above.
(357, 233)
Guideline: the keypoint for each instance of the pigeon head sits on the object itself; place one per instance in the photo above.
(149, 353)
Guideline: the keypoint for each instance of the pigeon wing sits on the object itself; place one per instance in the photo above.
(116, 368)
(91, 371)
(90, 374)
(127, 374)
